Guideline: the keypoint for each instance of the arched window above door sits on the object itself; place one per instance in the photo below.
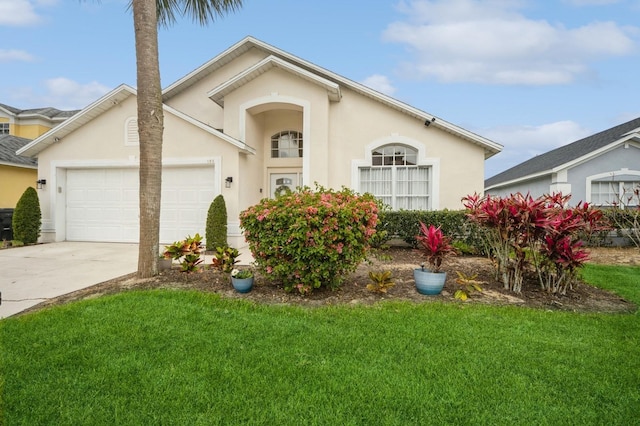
(286, 144)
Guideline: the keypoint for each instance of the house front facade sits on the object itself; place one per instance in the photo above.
(601, 169)
(247, 124)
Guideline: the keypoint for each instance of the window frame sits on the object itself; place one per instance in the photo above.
(399, 158)
(295, 137)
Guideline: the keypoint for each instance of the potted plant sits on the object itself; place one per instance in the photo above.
(436, 247)
(242, 280)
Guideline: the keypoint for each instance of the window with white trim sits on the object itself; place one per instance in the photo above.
(4, 128)
(287, 144)
(609, 193)
(395, 178)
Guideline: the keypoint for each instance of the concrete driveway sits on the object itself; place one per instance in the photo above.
(32, 274)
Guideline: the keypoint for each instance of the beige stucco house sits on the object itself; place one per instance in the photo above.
(249, 121)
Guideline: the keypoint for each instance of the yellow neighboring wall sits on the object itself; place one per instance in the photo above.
(29, 131)
(13, 182)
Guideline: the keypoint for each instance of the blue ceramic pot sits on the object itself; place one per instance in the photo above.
(242, 285)
(429, 283)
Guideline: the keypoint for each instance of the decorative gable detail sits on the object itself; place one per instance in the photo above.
(217, 94)
(131, 136)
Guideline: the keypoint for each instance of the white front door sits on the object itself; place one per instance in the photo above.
(280, 181)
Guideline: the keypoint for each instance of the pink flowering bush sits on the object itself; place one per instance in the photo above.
(309, 239)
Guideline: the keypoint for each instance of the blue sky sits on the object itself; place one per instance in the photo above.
(528, 74)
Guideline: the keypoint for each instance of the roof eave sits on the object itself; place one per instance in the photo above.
(52, 136)
(243, 147)
(22, 166)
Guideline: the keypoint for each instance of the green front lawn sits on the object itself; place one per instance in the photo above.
(185, 358)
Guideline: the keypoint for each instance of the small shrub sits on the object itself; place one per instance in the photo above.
(216, 230)
(435, 246)
(225, 259)
(468, 285)
(309, 239)
(188, 250)
(381, 281)
(27, 216)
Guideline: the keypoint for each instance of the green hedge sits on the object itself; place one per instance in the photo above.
(404, 224)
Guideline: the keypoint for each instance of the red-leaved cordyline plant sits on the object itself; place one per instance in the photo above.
(519, 224)
(436, 246)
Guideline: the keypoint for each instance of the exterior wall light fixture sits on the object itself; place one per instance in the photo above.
(41, 183)
(227, 182)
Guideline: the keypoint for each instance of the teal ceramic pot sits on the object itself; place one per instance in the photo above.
(242, 285)
(429, 283)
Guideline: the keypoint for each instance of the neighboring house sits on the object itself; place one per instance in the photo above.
(30, 123)
(251, 120)
(597, 169)
(17, 173)
(17, 128)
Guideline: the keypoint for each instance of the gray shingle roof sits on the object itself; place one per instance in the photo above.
(52, 113)
(564, 154)
(9, 144)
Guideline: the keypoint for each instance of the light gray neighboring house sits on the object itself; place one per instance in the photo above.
(597, 169)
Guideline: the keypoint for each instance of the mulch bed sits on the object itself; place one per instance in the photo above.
(401, 262)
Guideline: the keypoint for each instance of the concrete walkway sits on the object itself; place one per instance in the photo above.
(32, 274)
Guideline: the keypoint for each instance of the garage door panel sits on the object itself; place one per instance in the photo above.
(103, 204)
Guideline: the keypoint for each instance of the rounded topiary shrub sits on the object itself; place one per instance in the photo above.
(216, 231)
(310, 239)
(27, 217)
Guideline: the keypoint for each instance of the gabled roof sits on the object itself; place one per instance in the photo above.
(9, 144)
(491, 148)
(54, 135)
(217, 94)
(108, 101)
(564, 156)
(53, 114)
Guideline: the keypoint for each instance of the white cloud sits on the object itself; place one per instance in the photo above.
(61, 93)
(491, 42)
(381, 83)
(14, 55)
(17, 13)
(522, 143)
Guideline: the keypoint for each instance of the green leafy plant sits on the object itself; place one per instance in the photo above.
(310, 238)
(468, 285)
(225, 259)
(381, 281)
(188, 250)
(27, 216)
(216, 230)
(241, 273)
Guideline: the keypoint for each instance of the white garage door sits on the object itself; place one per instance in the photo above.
(102, 204)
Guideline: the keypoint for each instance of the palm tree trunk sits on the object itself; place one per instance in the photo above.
(150, 128)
